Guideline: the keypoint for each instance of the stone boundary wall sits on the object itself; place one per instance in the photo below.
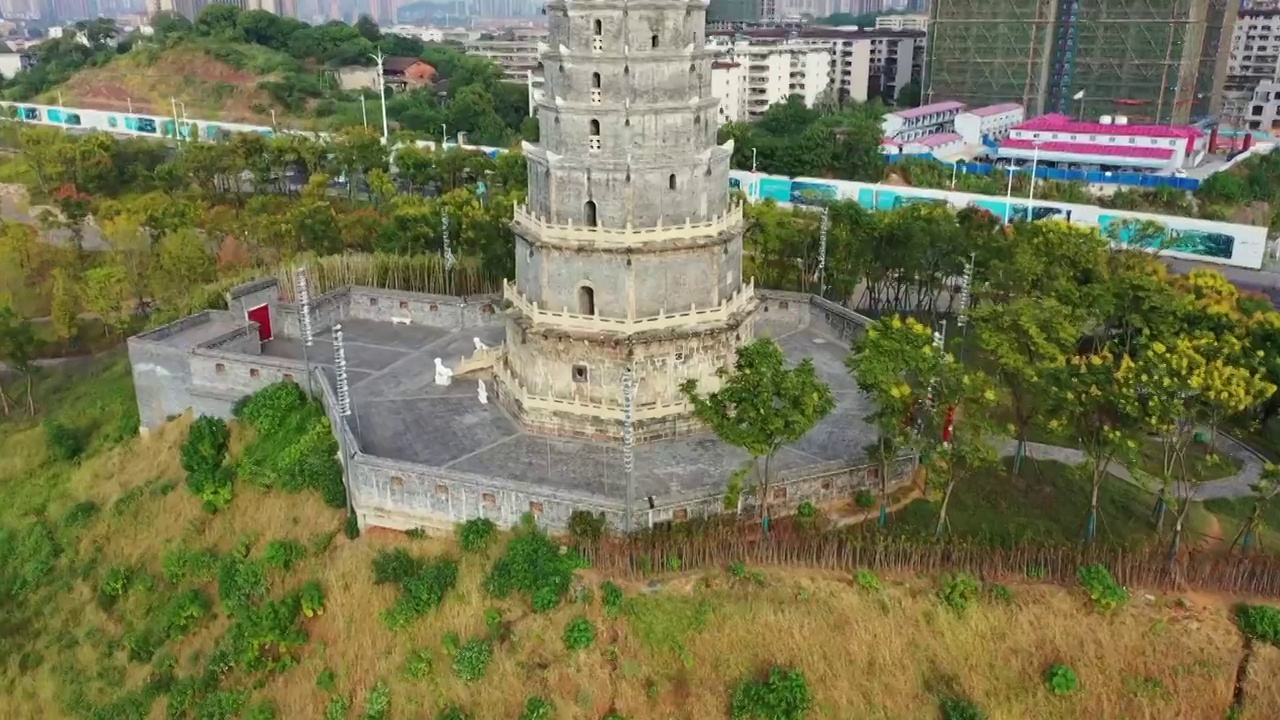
(413, 308)
(326, 310)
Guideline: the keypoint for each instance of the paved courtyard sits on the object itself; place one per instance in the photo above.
(400, 413)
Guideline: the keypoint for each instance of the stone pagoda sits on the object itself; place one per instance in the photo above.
(629, 250)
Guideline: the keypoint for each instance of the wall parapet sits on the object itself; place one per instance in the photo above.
(728, 221)
(167, 330)
(727, 308)
(613, 412)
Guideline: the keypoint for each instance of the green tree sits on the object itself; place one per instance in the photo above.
(1265, 492)
(1028, 341)
(1091, 402)
(762, 405)
(897, 364)
(106, 291)
(17, 349)
(65, 311)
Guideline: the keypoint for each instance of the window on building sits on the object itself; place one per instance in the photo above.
(589, 213)
(597, 27)
(586, 300)
(653, 41)
(253, 372)
(579, 373)
(594, 127)
(219, 368)
(671, 181)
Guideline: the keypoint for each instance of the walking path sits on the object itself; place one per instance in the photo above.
(1237, 485)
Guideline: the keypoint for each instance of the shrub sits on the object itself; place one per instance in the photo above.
(1102, 588)
(477, 534)
(471, 660)
(327, 680)
(80, 514)
(493, 621)
(241, 582)
(267, 636)
(283, 554)
(311, 599)
(536, 708)
(738, 571)
(63, 442)
(958, 592)
(351, 526)
(1259, 622)
(261, 710)
(864, 499)
(867, 580)
(611, 598)
(337, 708)
(579, 634)
(807, 510)
(378, 703)
(1061, 679)
(115, 583)
(183, 612)
(782, 695)
(417, 666)
(1001, 593)
(585, 527)
(954, 708)
(423, 585)
(453, 712)
(181, 564)
(206, 445)
(293, 447)
(535, 567)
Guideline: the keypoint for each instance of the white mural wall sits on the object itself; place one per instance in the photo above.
(1187, 238)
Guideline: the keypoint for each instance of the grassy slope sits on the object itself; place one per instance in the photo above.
(210, 88)
(674, 654)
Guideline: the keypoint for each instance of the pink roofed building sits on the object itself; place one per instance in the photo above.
(1112, 143)
(913, 123)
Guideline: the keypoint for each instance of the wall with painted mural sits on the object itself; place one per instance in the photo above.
(1187, 238)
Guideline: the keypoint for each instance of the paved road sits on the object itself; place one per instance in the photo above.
(1232, 487)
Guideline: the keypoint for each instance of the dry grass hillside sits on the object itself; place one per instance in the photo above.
(674, 648)
(193, 74)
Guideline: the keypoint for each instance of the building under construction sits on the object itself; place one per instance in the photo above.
(1160, 61)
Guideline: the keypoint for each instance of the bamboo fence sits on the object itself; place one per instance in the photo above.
(652, 553)
(410, 273)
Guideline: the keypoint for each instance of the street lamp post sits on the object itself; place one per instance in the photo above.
(753, 159)
(364, 112)
(955, 164)
(444, 135)
(1035, 162)
(382, 93)
(1008, 205)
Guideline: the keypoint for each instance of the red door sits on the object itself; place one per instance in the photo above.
(262, 316)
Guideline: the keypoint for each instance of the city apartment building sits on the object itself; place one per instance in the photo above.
(773, 72)
(515, 51)
(1253, 70)
(729, 84)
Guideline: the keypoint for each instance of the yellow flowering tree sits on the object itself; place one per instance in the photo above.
(1181, 387)
(1090, 403)
(900, 366)
(963, 399)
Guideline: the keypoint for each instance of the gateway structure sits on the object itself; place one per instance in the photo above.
(629, 251)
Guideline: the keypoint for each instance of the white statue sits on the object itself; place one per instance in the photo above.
(444, 375)
(479, 345)
(481, 394)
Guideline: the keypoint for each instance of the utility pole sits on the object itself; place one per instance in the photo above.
(364, 113)
(382, 93)
(822, 251)
(304, 306)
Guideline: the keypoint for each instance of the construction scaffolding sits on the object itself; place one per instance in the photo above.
(1157, 61)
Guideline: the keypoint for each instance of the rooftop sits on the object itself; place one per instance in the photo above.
(994, 109)
(401, 414)
(1055, 122)
(1131, 151)
(923, 110)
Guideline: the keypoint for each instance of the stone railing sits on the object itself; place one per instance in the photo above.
(517, 391)
(628, 235)
(663, 320)
(478, 360)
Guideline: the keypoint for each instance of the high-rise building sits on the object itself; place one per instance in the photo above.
(735, 11)
(629, 251)
(1253, 62)
(1152, 60)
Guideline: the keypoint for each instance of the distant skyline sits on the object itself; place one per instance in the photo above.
(384, 12)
